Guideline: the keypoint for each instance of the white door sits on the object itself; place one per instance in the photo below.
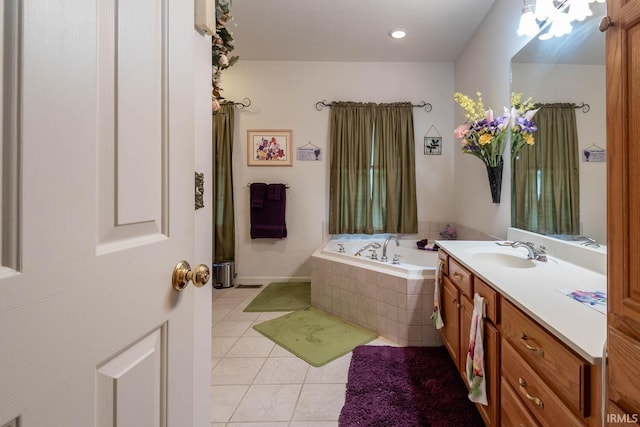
(98, 117)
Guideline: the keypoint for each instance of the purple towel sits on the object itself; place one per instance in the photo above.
(268, 221)
(274, 190)
(257, 193)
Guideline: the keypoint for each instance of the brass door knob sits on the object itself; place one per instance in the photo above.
(183, 274)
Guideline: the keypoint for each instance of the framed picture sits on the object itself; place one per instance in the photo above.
(269, 147)
(432, 145)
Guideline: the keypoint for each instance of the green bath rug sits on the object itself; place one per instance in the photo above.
(282, 296)
(315, 336)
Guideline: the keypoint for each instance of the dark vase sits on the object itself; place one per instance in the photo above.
(495, 180)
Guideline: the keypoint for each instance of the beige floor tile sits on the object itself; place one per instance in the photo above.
(282, 370)
(260, 424)
(335, 372)
(313, 424)
(238, 314)
(320, 402)
(236, 370)
(250, 332)
(230, 328)
(224, 400)
(251, 347)
(220, 346)
(280, 352)
(219, 314)
(267, 403)
(215, 361)
(226, 303)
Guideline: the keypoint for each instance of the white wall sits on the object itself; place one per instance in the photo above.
(485, 66)
(283, 96)
(577, 83)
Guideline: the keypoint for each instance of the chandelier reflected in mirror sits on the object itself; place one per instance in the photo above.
(554, 15)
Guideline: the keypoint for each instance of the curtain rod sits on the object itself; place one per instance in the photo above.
(239, 105)
(582, 106)
(321, 104)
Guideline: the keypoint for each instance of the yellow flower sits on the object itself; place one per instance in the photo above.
(485, 139)
(528, 138)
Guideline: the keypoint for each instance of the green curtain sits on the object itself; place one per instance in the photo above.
(351, 133)
(546, 180)
(223, 217)
(394, 173)
(366, 199)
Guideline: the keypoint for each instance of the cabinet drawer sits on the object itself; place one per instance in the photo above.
(532, 391)
(513, 412)
(461, 277)
(568, 374)
(491, 298)
(444, 257)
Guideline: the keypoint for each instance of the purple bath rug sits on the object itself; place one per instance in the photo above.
(406, 387)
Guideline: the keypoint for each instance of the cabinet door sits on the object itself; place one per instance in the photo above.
(623, 204)
(491, 340)
(491, 412)
(450, 333)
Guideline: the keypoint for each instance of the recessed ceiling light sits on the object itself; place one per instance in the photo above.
(397, 33)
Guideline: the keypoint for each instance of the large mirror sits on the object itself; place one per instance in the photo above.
(571, 69)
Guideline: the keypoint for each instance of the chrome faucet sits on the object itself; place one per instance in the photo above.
(384, 247)
(539, 254)
(375, 245)
(589, 241)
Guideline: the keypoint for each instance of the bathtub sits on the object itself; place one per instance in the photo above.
(394, 300)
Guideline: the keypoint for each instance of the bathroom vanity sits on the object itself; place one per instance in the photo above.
(543, 349)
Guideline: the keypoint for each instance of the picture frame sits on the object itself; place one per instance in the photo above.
(432, 145)
(269, 147)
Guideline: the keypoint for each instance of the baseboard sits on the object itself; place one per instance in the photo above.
(253, 280)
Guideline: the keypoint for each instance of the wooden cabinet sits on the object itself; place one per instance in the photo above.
(556, 385)
(532, 378)
(568, 374)
(623, 211)
(457, 311)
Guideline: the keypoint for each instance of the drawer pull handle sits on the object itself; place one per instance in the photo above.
(535, 400)
(524, 338)
(457, 276)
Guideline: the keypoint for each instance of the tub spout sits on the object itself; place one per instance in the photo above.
(374, 245)
(384, 247)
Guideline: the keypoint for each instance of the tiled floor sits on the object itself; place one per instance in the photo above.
(256, 383)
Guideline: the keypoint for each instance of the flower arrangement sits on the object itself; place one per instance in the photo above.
(221, 46)
(484, 135)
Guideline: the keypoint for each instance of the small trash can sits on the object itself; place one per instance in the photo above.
(223, 274)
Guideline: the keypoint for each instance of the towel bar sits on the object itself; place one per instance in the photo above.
(285, 186)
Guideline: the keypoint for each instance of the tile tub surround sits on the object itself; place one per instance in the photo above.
(395, 307)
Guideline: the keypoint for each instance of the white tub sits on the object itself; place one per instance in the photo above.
(396, 301)
(414, 262)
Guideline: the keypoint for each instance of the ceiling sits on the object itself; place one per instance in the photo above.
(354, 30)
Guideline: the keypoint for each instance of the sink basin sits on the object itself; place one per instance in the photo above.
(504, 259)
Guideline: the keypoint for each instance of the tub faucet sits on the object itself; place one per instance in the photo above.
(589, 241)
(537, 254)
(375, 245)
(384, 247)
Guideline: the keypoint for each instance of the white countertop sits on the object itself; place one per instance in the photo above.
(535, 291)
